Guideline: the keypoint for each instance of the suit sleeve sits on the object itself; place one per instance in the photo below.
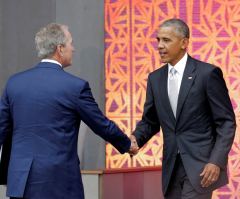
(223, 117)
(5, 118)
(5, 136)
(92, 116)
(149, 124)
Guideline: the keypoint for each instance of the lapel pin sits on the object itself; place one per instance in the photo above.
(189, 77)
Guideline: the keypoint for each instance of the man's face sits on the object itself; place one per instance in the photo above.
(67, 50)
(171, 45)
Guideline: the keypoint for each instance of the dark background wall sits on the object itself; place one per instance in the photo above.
(21, 19)
(85, 19)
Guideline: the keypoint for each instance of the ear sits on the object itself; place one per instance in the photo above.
(185, 42)
(59, 50)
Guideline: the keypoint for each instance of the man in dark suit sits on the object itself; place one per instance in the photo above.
(189, 100)
(41, 109)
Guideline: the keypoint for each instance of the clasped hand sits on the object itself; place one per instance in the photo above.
(134, 146)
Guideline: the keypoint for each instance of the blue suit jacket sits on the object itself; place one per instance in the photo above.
(42, 108)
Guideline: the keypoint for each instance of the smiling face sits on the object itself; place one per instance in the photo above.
(171, 44)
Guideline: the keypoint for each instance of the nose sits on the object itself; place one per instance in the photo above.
(160, 44)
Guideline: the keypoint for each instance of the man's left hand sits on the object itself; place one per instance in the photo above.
(134, 146)
(210, 174)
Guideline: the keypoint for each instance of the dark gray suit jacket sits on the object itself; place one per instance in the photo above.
(204, 128)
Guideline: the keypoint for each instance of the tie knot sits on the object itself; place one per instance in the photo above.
(173, 71)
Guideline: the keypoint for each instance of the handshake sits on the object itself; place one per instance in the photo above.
(134, 146)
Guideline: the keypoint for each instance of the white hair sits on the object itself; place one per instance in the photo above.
(48, 38)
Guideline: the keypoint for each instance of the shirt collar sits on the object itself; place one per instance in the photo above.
(180, 66)
(51, 61)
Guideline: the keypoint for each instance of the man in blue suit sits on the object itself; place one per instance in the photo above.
(41, 110)
(189, 100)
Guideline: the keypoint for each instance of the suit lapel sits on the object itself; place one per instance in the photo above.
(163, 92)
(187, 82)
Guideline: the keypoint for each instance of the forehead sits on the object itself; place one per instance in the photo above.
(167, 31)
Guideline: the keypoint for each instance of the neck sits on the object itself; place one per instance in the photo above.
(179, 58)
(58, 59)
(54, 58)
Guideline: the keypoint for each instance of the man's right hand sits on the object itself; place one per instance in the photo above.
(134, 146)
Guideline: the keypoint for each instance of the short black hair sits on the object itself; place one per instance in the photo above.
(180, 25)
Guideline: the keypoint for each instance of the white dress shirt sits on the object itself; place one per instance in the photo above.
(179, 67)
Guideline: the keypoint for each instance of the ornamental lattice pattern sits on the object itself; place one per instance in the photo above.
(131, 54)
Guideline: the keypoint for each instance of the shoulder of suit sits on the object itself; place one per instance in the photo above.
(19, 74)
(74, 77)
(27, 73)
(158, 71)
(202, 66)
